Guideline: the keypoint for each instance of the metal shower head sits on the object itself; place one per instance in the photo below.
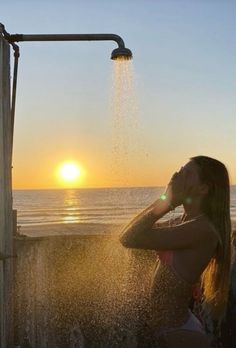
(121, 52)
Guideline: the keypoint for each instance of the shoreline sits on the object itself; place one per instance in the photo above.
(47, 230)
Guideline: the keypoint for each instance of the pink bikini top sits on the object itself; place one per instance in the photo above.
(167, 257)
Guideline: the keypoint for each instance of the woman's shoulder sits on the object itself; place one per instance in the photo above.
(204, 227)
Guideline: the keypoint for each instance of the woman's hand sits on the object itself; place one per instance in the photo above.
(179, 190)
(175, 190)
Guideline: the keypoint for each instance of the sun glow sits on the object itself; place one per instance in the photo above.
(70, 173)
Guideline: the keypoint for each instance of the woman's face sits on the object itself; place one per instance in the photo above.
(190, 172)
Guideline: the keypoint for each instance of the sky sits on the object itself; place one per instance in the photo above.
(184, 77)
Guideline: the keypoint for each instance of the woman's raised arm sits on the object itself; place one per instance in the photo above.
(144, 221)
(143, 233)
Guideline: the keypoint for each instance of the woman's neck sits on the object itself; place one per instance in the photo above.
(192, 211)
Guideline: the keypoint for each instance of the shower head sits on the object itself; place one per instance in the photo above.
(121, 52)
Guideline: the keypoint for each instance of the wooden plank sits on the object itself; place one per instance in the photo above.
(6, 221)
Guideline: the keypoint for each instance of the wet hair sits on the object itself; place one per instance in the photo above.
(215, 204)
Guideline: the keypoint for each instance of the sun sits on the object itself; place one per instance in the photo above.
(70, 173)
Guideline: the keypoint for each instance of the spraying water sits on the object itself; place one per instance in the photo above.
(125, 121)
(134, 284)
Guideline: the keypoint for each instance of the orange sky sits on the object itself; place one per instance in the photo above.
(182, 103)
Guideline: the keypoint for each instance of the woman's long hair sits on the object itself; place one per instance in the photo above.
(216, 205)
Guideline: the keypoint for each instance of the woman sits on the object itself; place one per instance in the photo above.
(196, 250)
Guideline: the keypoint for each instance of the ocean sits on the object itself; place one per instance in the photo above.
(97, 205)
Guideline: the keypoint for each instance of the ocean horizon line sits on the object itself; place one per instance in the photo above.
(90, 188)
(85, 188)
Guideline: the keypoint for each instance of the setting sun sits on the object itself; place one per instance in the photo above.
(69, 173)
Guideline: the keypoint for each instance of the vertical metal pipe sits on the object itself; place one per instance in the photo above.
(14, 86)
